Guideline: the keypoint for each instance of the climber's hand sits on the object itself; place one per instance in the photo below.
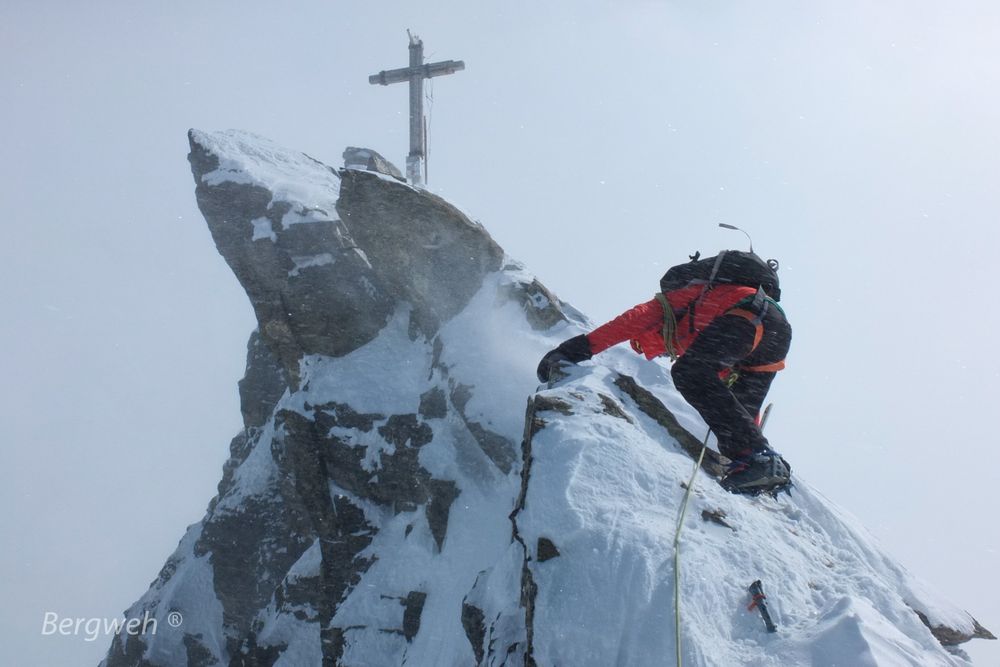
(549, 363)
(572, 351)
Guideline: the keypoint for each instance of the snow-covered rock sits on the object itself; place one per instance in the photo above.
(391, 502)
(369, 160)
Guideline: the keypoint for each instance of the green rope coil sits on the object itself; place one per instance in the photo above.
(669, 325)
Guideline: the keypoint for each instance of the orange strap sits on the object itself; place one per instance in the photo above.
(765, 368)
(754, 319)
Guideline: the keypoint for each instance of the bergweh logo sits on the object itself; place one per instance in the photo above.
(93, 628)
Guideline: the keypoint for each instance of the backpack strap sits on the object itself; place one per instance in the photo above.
(760, 304)
(765, 368)
(757, 319)
(715, 267)
(707, 287)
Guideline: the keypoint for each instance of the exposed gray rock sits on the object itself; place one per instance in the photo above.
(443, 494)
(368, 160)
(426, 251)
(611, 407)
(413, 606)
(262, 385)
(546, 403)
(399, 482)
(269, 544)
(717, 517)
(529, 589)
(197, 654)
(545, 550)
(495, 638)
(652, 407)
(542, 308)
(343, 415)
(433, 404)
(952, 637)
(312, 290)
(252, 544)
(499, 449)
(239, 448)
(403, 430)
(256, 655)
(474, 624)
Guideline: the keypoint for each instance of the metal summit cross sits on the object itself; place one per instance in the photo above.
(415, 74)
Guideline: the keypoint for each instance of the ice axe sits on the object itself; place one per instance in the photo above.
(757, 591)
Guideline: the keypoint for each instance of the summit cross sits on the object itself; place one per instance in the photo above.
(416, 161)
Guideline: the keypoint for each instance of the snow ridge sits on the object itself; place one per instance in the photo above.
(603, 495)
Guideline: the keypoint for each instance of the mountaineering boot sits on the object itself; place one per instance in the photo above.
(759, 472)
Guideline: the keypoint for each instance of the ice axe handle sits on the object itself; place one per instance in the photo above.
(757, 591)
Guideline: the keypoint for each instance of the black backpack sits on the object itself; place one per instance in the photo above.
(729, 267)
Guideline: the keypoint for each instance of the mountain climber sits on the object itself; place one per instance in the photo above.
(719, 320)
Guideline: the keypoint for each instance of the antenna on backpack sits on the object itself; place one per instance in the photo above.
(734, 227)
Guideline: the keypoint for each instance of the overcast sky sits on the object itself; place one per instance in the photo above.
(599, 142)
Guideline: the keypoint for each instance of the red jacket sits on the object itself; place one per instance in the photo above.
(643, 324)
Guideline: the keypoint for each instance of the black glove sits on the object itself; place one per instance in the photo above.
(574, 351)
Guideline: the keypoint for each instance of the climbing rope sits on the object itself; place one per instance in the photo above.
(669, 326)
(677, 535)
(677, 549)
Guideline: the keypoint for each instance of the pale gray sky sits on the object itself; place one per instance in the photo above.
(599, 142)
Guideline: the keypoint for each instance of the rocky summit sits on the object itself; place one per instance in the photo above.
(404, 493)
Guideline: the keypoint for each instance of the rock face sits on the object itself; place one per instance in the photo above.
(366, 421)
(312, 289)
(435, 260)
(390, 502)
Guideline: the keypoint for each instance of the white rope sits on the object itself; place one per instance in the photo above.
(677, 550)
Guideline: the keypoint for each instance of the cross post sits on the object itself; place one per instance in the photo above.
(416, 161)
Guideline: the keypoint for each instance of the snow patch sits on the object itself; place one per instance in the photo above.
(311, 187)
(298, 216)
(256, 474)
(491, 348)
(308, 261)
(389, 373)
(262, 230)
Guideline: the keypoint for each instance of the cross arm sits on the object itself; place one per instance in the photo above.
(391, 76)
(385, 77)
(443, 67)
